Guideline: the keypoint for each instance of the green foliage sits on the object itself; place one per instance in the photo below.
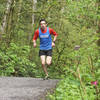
(14, 61)
(69, 89)
(76, 22)
(77, 27)
(83, 12)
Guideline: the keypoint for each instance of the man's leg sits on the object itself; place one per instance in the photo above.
(43, 57)
(48, 60)
(49, 57)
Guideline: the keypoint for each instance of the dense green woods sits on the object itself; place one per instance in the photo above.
(76, 57)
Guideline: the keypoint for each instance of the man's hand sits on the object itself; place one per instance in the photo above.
(53, 44)
(34, 44)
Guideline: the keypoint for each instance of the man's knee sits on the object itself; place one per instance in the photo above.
(43, 63)
(48, 63)
(48, 60)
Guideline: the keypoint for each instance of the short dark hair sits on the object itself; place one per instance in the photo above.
(42, 20)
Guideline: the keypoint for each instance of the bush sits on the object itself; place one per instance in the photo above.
(14, 61)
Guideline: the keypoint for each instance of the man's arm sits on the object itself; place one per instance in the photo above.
(36, 34)
(34, 43)
(55, 36)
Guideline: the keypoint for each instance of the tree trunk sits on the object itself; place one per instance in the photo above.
(33, 17)
(4, 22)
(34, 8)
(19, 8)
(11, 18)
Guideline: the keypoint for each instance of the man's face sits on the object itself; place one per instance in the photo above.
(43, 25)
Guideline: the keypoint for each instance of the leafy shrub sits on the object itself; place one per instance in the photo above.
(14, 61)
(70, 89)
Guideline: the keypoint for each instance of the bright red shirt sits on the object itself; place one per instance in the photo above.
(51, 31)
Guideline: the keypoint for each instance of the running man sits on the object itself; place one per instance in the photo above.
(44, 33)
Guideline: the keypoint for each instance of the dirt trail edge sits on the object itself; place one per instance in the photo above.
(22, 88)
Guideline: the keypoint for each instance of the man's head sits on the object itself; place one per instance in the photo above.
(43, 24)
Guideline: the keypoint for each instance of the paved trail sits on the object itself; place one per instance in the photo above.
(19, 88)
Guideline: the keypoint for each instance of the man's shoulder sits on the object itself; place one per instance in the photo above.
(50, 29)
(37, 30)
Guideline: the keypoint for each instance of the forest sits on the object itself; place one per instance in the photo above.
(76, 56)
